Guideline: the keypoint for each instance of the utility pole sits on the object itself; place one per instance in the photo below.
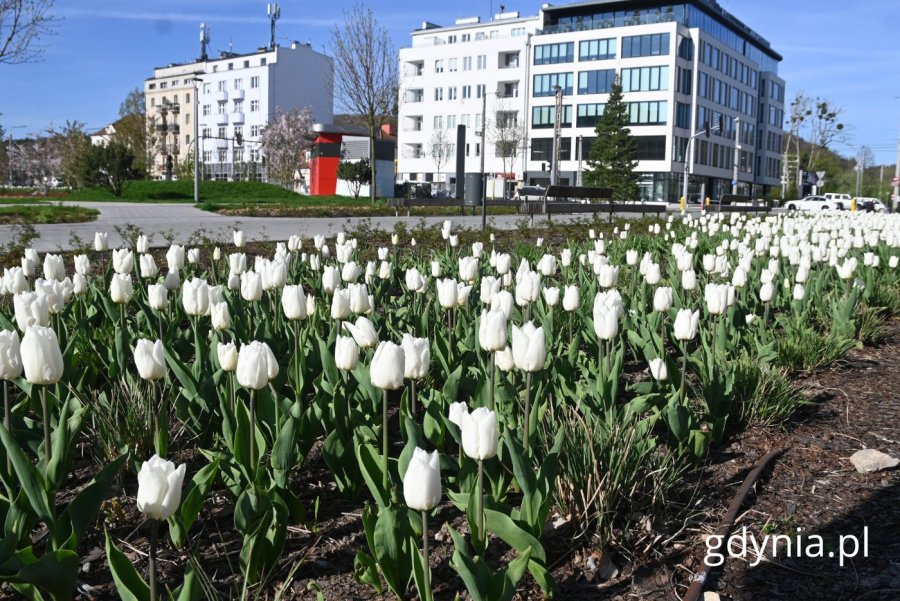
(483, 151)
(860, 166)
(737, 154)
(897, 178)
(557, 127)
(196, 79)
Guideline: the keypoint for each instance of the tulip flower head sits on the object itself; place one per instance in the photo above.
(227, 353)
(658, 370)
(150, 359)
(422, 481)
(363, 332)
(159, 488)
(529, 347)
(10, 355)
(42, 359)
(492, 330)
(456, 411)
(388, 364)
(480, 434)
(256, 365)
(346, 353)
(417, 357)
(686, 324)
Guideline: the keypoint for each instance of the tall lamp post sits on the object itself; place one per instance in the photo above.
(196, 81)
(688, 157)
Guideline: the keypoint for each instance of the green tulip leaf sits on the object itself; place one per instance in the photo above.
(129, 584)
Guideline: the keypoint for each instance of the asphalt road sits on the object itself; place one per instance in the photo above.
(183, 221)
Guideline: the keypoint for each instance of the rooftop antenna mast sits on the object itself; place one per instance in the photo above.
(204, 40)
(274, 12)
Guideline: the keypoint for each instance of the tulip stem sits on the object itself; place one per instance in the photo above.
(412, 397)
(151, 564)
(122, 315)
(684, 358)
(7, 423)
(765, 316)
(479, 499)
(297, 390)
(46, 412)
(384, 441)
(252, 430)
(231, 392)
(527, 409)
(426, 567)
(493, 379)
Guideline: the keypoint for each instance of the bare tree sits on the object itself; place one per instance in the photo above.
(22, 23)
(366, 67)
(284, 143)
(440, 149)
(507, 132)
(817, 121)
(39, 159)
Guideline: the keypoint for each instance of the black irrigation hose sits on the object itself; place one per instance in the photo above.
(696, 588)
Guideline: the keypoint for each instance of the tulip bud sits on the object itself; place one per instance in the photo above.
(653, 274)
(480, 434)
(551, 296)
(462, 294)
(195, 297)
(492, 330)
(31, 309)
(606, 322)
(658, 370)
(799, 292)
(571, 298)
(422, 481)
(142, 245)
(455, 413)
(293, 302)
(529, 347)
(54, 268)
(79, 284)
(359, 298)
(120, 288)
(766, 292)
(716, 296)
(251, 286)
(310, 305)
(237, 263)
(688, 279)
(239, 238)
(82, 264)
(504, 359)
(414, 281)
(42, 359)
(228, 356)
(663, 299)
(416, 355)
(686, 324)
(172, 280)
(149, 359)
(221, 316)
(100, 241)
(159, 488)
(363, 332)
(175, 257)
(340, 304)
(608, 276)
(10, 355)
(122, 260)
(256, 365)
(447, 293)
(388, 363)
(346, 353)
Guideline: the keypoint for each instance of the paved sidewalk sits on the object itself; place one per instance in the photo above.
(183, 220)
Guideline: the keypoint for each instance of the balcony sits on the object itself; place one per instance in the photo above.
(220, 96)
(237, 94)
(220, 119)
(220, 143)
(237, 117)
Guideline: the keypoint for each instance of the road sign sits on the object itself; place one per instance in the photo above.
(820, 174)
(734, 182)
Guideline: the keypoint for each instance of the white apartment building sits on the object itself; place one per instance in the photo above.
(238, 95)
(682, 65)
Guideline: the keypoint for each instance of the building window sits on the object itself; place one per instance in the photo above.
(467, 63)
(544, 117)
(238, 106)
(163, 85)
(588, 114)
(152, 86)
(517, 31)
(187, 140)
(647, 113)
(451, 39)
(230, 66)
(207, 88)
(542, 149)
(482, 62)
(650, 148)
(187, 98)
(238, 155)
(464, 120)
(215, 68)
(254, 81)
(223, 155)
(438, 94)
(451, 93)
(262, 61)
(597, 50)
(439, 66)
(187, 118)
(438, 122)
(246, 64)
(451, 121)
(254, 106)
(682, 115)
(656, 44)
(207, 132)
(207, 156)
(222, 108)
(466, 92)
(223, 86)
(545, 84)
(645, 79)
(238, 84)
(153, 102)
(452, 65)
(549, 54)
(596, 82)
(480, 90)
(466, 37)
(222, 132)
(207, 109)
(255, 131)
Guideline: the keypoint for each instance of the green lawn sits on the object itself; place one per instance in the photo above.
(42, 214)
(183, 191)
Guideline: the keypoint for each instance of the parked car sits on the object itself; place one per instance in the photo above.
(530, 193)
(867, 203)
(840, 202)
(810, 203)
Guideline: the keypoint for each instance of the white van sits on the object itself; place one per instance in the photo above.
(838, 201)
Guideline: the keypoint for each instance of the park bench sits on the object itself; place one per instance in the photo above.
(407, 203)
(556, 202)
(737, 203)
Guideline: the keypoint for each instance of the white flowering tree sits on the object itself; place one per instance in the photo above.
(285, 142)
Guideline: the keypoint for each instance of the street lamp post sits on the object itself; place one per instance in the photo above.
(688, 156)
(196, 81)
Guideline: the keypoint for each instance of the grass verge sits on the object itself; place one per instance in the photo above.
(44, 214)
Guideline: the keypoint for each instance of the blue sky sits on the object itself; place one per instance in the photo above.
(848, 52)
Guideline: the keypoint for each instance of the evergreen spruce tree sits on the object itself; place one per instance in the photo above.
(612, 158)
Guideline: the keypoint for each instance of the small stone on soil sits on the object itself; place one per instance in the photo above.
(870, 460)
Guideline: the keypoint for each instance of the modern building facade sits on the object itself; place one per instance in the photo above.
(237, 96)
(682, 65)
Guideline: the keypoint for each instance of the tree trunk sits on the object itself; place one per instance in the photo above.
(372, 186)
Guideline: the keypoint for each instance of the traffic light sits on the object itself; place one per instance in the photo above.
(706, 129)
(238, 138)
(543, 166)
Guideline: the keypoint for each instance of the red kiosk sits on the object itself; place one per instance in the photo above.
(326, 156)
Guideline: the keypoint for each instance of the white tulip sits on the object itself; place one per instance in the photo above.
(150, 359)
(529, 347)
(10, 355)
(239, 238)
(551, 296)
(346, 353)
(422, 481)
(571, 298)
(195, 297)
(363, 332)
(101, 243)
(256, 365)
(120, 288)
(42, 359)
(663, 298)
(340, 304)
(455, 413)
(417, 357)
(142, 245)
(658, 370)
(388, 364)
(122, 260)
(251, 286)
(221, 316)
(447, 293)
(686, 324)
(480, 434)
(159, 488)
(492, 330)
